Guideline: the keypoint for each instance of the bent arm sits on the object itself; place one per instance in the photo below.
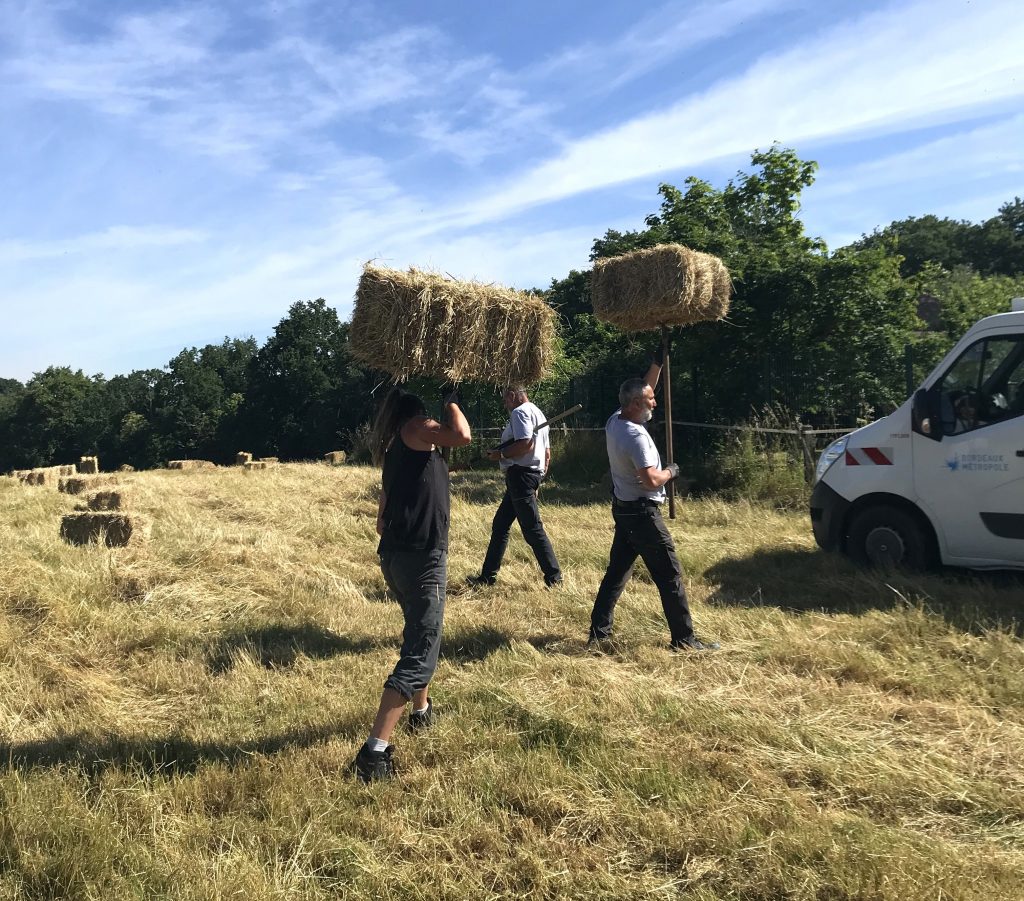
(653, 375)
(652, 478)
(423, 432)
(517, 448)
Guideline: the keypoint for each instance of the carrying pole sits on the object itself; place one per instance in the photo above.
(666, 379)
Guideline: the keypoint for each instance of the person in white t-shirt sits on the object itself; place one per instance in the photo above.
(638, 490)
(524, 462)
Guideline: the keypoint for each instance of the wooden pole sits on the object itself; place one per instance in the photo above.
(666, 380)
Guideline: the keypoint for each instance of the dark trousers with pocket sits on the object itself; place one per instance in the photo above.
(640, 532)
(418, 580)
(520, 503)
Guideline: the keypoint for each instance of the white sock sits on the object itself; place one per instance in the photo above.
(424, 709)
(376, 744)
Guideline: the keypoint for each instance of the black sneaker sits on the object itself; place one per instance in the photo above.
(556, 582)
(693, 643)
(422, 720)
(481, 580)
(372, 766)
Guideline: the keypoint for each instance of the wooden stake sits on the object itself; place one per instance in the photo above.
(666, 380)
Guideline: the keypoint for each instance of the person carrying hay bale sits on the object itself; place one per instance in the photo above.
(638, 490)
(524, 464)
(412, 522)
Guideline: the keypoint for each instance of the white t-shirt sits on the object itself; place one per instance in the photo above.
(631, 447)
(522, 423)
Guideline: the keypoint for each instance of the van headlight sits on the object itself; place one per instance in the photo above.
(829, 456)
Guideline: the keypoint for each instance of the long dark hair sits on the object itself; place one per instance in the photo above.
(398, 408)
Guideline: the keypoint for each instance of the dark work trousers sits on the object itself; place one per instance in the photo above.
(418, 580)
(641, 532)
(520, 502)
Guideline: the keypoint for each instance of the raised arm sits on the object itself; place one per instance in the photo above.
(422, 433)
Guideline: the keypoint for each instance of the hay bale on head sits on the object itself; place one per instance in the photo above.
(665, 285)
(420, 323)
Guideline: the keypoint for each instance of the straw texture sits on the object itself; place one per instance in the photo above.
(664, 285)
(418, 323)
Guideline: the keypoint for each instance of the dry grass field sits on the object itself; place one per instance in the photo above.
(176, 718)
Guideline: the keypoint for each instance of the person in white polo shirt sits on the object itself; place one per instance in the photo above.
(524, 463)
(638, 486)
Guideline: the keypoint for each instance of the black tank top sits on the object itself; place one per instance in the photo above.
(417, 504)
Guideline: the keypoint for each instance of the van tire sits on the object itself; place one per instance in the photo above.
(888, 537)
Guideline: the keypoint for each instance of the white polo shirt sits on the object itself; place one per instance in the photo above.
(631, 447)
(522, 423)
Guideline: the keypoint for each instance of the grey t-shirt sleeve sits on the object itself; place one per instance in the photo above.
(522, 425)
(641, 449)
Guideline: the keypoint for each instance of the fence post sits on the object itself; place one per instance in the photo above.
(806, 444)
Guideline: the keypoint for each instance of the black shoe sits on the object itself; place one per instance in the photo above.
(481, 580)
(693, 643)
(372, 766)
(555, 582)
(422, 720)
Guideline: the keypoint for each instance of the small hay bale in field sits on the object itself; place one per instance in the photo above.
(269, 460)
(255, 464)
(87, 466)
(111, 499)
(191, 464)
(67, 470)
(664, 285)
(126, 467)
(113, 529)
(242, 457)
(44, 475)
(420, 323)
(335, 458)
(79, 484)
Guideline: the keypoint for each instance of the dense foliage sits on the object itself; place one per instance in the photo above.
(828, 335)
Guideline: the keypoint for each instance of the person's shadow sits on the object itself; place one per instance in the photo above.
(809, 580)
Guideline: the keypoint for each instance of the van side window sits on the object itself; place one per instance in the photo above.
(985, 385)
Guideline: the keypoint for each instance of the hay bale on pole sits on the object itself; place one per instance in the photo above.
(242, 457)
(110, 528)
(667, 285)
(87, 466)
(417, 323)
(335, 458)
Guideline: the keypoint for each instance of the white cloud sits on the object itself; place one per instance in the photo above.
(118, 239)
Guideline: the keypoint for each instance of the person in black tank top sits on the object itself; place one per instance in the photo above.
(412, 522)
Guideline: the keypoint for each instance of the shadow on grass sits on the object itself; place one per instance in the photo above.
(805, 580)
(280, 646)
(171, 755)
(473, 645)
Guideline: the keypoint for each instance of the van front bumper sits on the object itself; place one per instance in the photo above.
(828, 514)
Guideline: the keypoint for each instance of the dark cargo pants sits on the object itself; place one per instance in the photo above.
(418, 580)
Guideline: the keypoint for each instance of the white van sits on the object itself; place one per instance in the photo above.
(941, 480)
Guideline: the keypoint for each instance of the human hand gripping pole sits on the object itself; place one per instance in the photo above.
(543, 425)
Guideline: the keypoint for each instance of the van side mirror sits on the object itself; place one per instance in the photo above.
(926, 414)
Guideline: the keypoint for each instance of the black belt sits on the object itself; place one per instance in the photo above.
(633, 505)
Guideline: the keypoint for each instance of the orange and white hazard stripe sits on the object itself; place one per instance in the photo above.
(869, 456)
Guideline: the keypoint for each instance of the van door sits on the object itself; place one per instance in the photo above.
(972, 481)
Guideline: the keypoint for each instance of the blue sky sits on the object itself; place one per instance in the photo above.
(175, 173)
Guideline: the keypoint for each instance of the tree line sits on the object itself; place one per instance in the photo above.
(822, 333)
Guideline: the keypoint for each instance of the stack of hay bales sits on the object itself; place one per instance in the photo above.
(255, 464)
(78, 484)
(104, 518)
(190, 464)
(335, 458)
(242, 457)
(88, 465)
(667, 285)
(44, 475)
(420, 323)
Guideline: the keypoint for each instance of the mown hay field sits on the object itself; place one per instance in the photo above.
(177, 717)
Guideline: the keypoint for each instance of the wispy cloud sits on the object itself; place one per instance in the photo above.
(118, 239)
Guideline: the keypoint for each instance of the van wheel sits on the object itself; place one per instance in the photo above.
(887, 536)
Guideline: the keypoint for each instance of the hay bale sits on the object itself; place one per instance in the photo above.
(420, 323)
(242, 457)
(336, 458)
(78, 484)
(256, 464)
(112, 529)
(126, 467)
(43, 475)
(190, 464)
(110, 499)
(664, 285)
(68, 470)
(88, 466)
(269, 460)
